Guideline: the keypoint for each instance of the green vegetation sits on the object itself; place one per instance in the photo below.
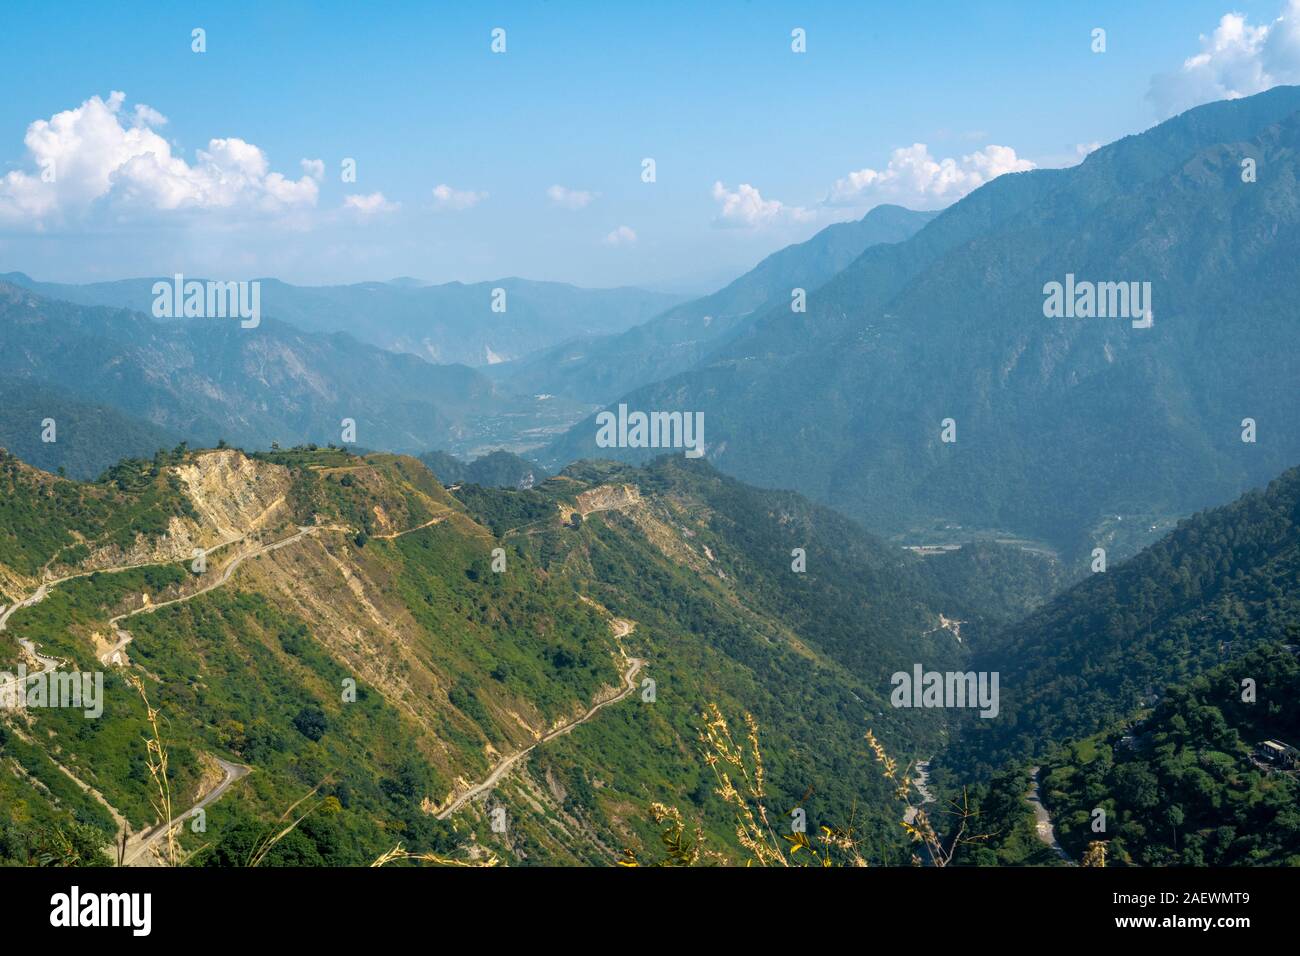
(335, 485)
(1178, 785)
(1003, 816)
(46, 520)
(808, 654)
(992, 584)
(1224, 579)
(498, 469)
(459, 659)
(90, 437)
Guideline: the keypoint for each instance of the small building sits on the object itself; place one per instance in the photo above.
(1279, 754)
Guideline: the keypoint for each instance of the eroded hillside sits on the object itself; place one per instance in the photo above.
(518, 673)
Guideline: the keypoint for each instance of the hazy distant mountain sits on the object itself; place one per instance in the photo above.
(1083, 431)
(596, 370)
(448, 323)
(206, 379)
(498, 469)
(88, 437)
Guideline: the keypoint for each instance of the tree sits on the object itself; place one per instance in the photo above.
(311, 722)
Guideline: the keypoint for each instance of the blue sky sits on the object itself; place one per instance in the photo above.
(582, 94)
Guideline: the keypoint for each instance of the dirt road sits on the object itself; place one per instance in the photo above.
(124, 637)
(140, 843)
(1042, 819)
(622, 628)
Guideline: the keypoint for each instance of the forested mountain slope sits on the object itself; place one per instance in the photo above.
(598, 369)
(1184, 784)
(1078, 431)
(323, 569)
(209, 379)
(446, 323)
(1224, 581)
(86, 436)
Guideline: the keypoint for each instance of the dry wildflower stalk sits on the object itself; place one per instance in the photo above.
(753, 829)
(919, 827)
(742, 783)
(680, 849)
(263, 847)
(397, 853)
(157, 762)
(1095, 855)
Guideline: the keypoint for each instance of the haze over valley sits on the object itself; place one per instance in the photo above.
(880, 453)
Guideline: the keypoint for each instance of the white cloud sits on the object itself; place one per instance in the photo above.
(1082, 150)
(569, 198)
(745, 208)
(1238, 59)
(622, 236)
(147, 116)
(449, 198)
(367, 204)
(86, 157)
(915, 178)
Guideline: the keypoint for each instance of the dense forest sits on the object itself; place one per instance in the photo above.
(1223, 581)
(1184, 784)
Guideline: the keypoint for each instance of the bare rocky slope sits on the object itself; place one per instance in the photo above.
(354, 630)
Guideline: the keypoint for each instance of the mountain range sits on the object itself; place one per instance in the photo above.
(206, 380)
(1079, 432)
(475, 626)
(451, 323)
(601, 368)
(493, 639)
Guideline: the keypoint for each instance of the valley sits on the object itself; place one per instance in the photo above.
(778, 524)
(513, 720)
(280, 528)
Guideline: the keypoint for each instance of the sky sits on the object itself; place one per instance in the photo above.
(125, 152)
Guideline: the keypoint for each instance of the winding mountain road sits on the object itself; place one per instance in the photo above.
(231, 773)
(1042, 819)
(47, 663)
(124, 637)
(441, 516)
(622, 628)
(234, 772)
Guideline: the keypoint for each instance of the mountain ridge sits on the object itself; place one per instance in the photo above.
(446, 323)
(1155, 413)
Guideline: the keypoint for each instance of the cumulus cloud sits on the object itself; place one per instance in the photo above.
(1238, 59)
(448, 198)
(745, 208)
(622, 236)
(569, 198)
(99, 154)
(914, 177)
(368, 204)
